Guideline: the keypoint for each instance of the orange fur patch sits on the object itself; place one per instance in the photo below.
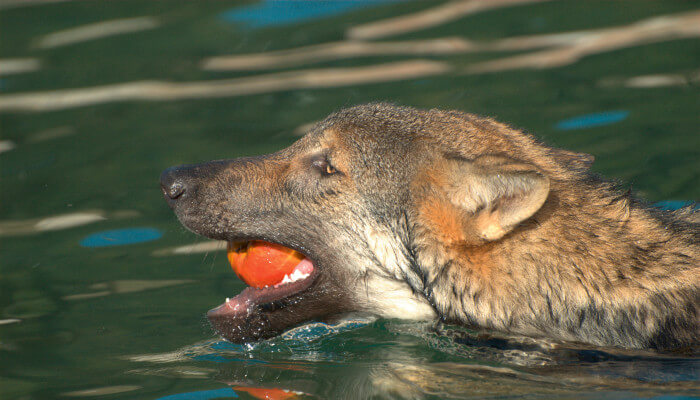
(443, 220)
(481, 259)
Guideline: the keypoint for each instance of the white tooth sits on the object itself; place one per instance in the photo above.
(293, 277)
(286, 279)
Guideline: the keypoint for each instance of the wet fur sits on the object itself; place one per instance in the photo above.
(443, 213)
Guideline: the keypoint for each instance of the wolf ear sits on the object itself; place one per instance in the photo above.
(497, 192)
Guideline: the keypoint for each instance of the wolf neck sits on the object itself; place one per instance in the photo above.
(600, 276)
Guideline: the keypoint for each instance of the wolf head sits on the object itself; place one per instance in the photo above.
(404, 213)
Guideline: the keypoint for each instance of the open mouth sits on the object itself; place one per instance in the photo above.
(272, 272)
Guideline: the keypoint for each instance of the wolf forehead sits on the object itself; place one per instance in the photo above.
(378, 126)
(382, 133)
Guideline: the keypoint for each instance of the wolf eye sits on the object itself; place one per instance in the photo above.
(324, 166)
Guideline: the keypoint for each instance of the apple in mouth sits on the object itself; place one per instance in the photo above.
(275, 275)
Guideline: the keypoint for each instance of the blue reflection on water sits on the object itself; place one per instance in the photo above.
(211, 358)
(671, 205)
(120, 237)
(284, 12)
(202, 395)
(592, 120)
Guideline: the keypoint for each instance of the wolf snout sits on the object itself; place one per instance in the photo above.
(176, 184)
(185, 182)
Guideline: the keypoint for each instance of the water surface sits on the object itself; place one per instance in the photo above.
(98, 299)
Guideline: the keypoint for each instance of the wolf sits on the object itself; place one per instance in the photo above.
(444, 215)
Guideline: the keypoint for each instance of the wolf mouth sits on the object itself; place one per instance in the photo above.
(237, 309)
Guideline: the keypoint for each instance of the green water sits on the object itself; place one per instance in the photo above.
(124, 321)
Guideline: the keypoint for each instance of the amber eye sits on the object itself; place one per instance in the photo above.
(324, 166)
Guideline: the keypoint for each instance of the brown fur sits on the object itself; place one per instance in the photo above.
(485, 224)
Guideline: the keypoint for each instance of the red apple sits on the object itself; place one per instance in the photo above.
(261, 264)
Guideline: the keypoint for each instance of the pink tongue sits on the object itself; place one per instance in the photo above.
(248, 296)
(305, 266)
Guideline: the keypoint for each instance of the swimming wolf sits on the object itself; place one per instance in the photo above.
(430, 214)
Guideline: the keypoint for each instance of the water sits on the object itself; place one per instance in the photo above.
(94, 301)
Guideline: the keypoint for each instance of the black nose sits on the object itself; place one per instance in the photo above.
(174, 185)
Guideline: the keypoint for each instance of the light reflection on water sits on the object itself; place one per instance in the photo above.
(96, 100)
(395, 363)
